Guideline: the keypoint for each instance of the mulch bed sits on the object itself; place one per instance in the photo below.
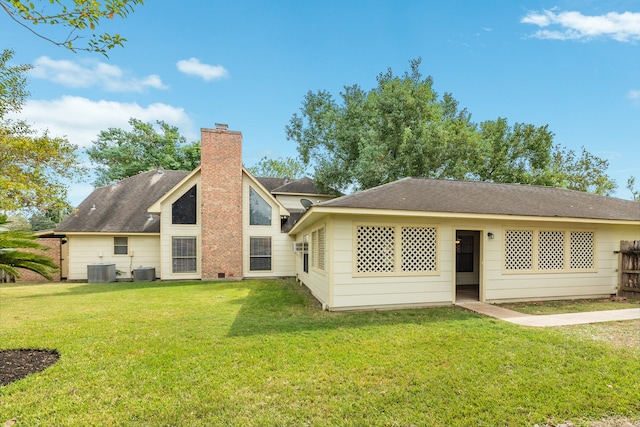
(17, 364)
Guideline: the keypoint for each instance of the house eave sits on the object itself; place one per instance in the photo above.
(315, 211)
(107, 233)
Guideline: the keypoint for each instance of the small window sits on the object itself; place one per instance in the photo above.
(183, 210)
(305, 253)
(120, 245)
(259, 209)
(260, 253)
(184, 255)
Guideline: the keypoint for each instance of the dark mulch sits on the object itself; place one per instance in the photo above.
(17, 364)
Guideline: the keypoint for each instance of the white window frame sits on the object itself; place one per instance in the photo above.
(116, 245)
(535, 266)
(397, 250)
(270, 256)
(195, 257)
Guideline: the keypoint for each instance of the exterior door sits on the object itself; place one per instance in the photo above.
(468, 262)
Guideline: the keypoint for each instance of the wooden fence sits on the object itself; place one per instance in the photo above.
(629, 269)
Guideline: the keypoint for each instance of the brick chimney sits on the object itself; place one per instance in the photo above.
(221, 168)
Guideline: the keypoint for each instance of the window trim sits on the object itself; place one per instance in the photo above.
(271, 258)
(397, 249)
(196, 256)
(196, 212)
(318, 256)
(271, 215)
(120, 246)
(535, 257)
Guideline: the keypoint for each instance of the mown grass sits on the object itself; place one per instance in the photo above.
(261, 353)
(571, 306)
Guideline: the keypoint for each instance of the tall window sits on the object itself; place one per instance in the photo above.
(305, 253)
(260, 253)
(120, 245)
(183, 210)
(184, 255)
(259, 209)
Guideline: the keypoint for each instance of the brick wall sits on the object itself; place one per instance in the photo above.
(221, 167)
(54, 245)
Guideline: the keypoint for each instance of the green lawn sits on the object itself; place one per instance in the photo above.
(261, 353)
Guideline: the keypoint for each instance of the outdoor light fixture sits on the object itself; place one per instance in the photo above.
(490, 235)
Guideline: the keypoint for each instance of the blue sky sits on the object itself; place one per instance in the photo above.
(574, 65)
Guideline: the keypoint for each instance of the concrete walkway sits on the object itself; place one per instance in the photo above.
(550, 319)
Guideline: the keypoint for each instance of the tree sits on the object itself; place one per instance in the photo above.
(13, 84)
(586, 172)
(286, 167)
(402, 128)
(35, 166)
(119, 154)
(64, 23)
(49, 218)
(631, 186)
(12, 258)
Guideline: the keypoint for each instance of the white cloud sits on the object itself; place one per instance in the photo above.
(622, 27)
(81, 119)
(194, 67)
(633, 94)
(91, 73)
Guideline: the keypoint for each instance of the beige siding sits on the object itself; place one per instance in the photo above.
(501, 286)
(169, 231)
(90, 249)
(341, 288)
(282, 255)
(318, 281)
(371, 291)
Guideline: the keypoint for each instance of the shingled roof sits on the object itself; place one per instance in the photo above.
(122, 207)
(418, 194)
(284, 185)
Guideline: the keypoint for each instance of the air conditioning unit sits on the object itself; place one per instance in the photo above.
(144, 274)
(300, 247)
(101, 273)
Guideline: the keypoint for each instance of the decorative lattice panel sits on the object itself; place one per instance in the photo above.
(518, 249)
(582, 244)
(374, 249)
(321, 248)
(551, 250)
(314, 249)
(419, 249)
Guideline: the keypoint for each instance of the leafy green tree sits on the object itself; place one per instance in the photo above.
(35, 166)
(119, 154)
(12, 257)
(512, 154)
(284, 167)
(76, 19)
(585, 172)
(13, 84)
(49, 218)
(402, 128)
